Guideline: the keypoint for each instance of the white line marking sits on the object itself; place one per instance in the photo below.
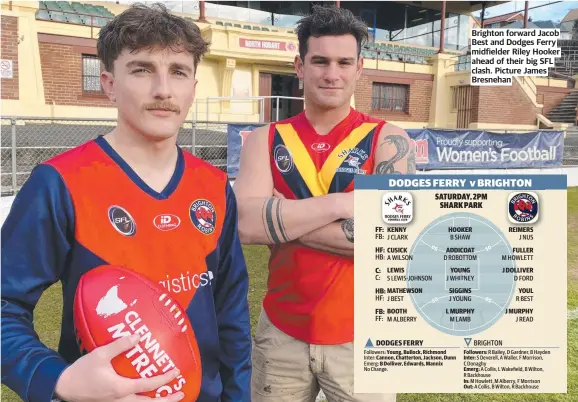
(573, 314)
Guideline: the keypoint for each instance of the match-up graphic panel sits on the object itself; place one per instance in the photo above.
(454, 279)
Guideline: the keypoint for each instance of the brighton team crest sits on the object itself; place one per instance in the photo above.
(523, 207)
(203, 216)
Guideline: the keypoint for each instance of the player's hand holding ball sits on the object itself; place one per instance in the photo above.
(136, 339)
(93, 378)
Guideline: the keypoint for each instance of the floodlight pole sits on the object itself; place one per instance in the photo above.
(202, 12)
(526, 15)
(442, 27)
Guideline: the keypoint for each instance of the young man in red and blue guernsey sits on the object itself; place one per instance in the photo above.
(294, 190)
(131, 198)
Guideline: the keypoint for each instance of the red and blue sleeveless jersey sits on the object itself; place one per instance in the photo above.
(310, 292)
(87, 207)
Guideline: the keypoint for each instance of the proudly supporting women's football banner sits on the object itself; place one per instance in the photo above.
(445, 149)
(454, 149)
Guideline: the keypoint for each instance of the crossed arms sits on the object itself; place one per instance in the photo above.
(266, 217)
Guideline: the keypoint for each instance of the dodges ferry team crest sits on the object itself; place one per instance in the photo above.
(397, 208)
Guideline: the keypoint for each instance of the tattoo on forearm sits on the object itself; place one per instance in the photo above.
(267, 223)
(402, 147)
(280, 221)
(347, 227)
(273, 221)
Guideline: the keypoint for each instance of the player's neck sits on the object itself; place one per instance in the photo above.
(153, 161)
(324, 120)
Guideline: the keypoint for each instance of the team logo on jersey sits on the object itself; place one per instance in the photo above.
(121, 220)
(523, 207)
(203, 216)
(320, 147)
(397, 208)
(354, 158)
(283, 159)
(166, 222)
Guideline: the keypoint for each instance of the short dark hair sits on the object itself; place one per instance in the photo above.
(330, 20)
(145, 27)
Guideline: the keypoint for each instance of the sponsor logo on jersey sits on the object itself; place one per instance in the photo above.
(523, 207)
(121, 220)
(187, 282)
(203, 216)
(283, 158)
(397, 208)
(320, 147)
(166, 222)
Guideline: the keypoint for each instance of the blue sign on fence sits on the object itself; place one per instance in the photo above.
(236, 135)
(478, 149)
(446, 149)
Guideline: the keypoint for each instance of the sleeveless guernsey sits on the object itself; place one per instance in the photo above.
(310, 292)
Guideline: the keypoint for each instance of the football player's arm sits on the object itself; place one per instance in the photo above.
(335, 238)
(395, 152)
(232, 309)
(35, 244)
(265, 219)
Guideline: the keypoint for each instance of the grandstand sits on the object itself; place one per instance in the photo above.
(74, 13)
(416, 74)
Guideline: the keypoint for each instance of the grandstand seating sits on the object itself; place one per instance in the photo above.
(97, 16)
(405, 53)
(73, 12)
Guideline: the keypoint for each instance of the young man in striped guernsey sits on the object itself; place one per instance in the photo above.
(294, 192)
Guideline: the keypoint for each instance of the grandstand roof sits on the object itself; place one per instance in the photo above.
(459, 7)
(520, 24)
(505, 17)
(398, 15)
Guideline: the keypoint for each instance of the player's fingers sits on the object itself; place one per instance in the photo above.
(118, 346)
(140, 398)
(171, 398)
(152, 383)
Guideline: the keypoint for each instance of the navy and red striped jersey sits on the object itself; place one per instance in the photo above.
(87, 207)
(310, 292)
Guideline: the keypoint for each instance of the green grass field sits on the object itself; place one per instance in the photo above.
(47, 320)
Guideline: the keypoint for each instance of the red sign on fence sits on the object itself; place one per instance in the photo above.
(267, 45)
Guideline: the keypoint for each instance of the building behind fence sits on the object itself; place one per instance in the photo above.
(26, 142)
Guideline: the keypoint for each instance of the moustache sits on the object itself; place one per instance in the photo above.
(164, 106)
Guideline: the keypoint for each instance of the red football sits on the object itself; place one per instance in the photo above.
(112, 302)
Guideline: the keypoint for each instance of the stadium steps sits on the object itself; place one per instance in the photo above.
(565, 112)
(572, 131)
